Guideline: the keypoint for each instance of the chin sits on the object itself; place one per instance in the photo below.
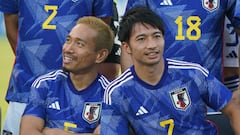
(65, 69)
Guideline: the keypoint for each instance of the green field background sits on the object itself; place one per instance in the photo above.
(6, 64)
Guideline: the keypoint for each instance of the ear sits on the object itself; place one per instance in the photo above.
(102, 55)
(125, 47)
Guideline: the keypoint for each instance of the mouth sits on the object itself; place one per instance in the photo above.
(152, 54)
(67, 59)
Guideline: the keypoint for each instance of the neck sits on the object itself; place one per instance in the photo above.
(150, 74)
(82, 81)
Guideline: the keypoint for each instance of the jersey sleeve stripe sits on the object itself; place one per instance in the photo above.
(119, 81)
(104, 82)
(186, 65)
(49, 76)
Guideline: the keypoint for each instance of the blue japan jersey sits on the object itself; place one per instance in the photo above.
(43, 27)
(54, 99)
(177, 104)
(194, 29)
(237, 14)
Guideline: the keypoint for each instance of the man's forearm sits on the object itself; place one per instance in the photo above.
(11, 24)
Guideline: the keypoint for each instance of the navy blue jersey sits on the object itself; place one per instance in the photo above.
(43, 27)
(54, 99)
(177, 104)
(194, 29)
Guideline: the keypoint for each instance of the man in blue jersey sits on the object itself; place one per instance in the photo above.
(70, 100)
(157, 95)
(36, 31)
(230, 56)
(194, 31)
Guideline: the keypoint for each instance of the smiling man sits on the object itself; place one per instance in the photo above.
(157, 95)
(69, 100)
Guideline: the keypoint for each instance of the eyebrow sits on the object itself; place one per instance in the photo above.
(157, 32)
(78, 39)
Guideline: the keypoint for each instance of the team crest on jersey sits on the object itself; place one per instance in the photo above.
(92, 111)
(210, 5)
(181, 99)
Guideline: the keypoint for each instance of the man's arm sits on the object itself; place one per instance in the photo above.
(31, 125)
(11, 24)
(57, 131)
(232, 111)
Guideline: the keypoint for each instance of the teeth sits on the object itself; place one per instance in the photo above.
(67, 59)
(152, 53)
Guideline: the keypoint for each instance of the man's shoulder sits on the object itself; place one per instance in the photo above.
(185, 66)
(122, 80)
(117, 87)
(49, 77)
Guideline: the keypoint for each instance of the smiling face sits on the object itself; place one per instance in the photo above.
(79, 51)
(146, 44)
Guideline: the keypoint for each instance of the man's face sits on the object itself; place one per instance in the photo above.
(146, 44)
(78, 52)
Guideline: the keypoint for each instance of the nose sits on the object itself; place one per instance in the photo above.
(68, 47)
(151, 43)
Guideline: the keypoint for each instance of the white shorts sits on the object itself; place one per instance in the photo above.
(230, 46)
(13, 118)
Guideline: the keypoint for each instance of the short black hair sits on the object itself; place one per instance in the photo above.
(135, 15)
